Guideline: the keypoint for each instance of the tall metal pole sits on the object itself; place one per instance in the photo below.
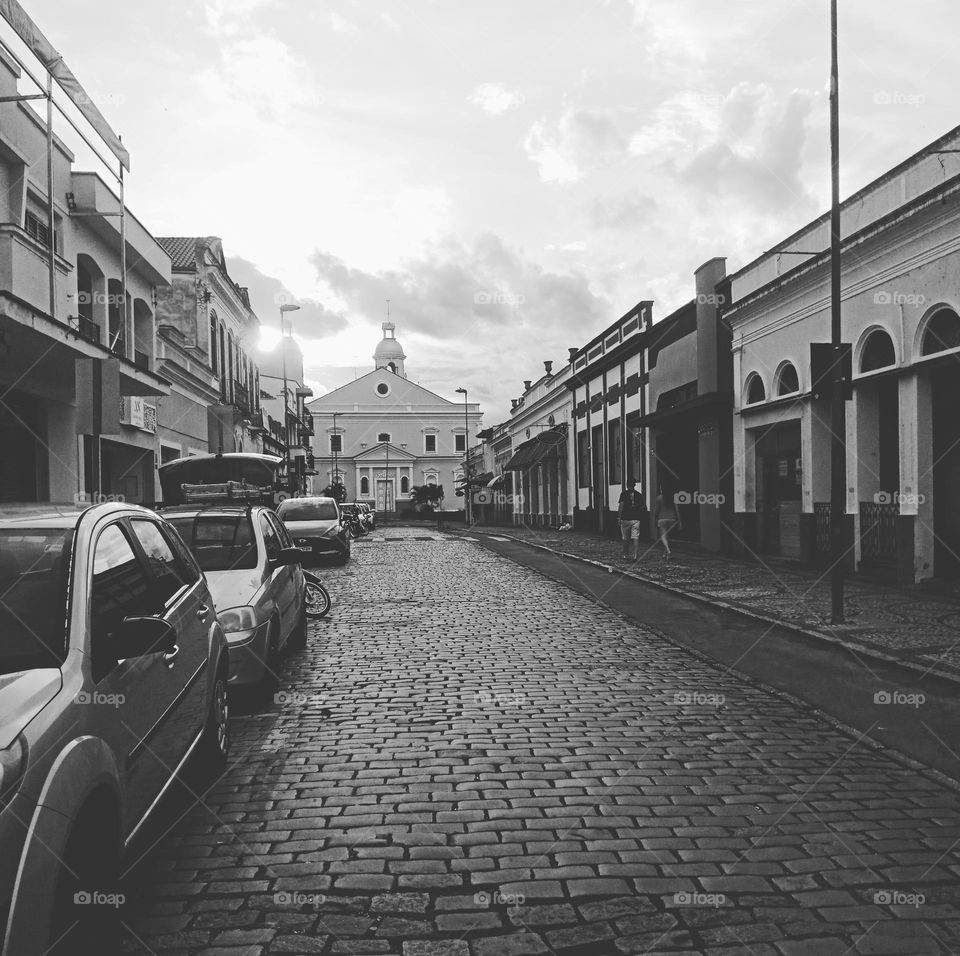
(336, 462)
(466, 459)
(838, 445)
(51, 220)
(286, 307)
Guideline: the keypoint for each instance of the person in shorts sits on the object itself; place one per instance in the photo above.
(630, 513)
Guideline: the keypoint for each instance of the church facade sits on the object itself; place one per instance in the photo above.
(383, 434)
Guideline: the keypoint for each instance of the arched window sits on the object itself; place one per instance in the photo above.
(214, 366)
(788, 381)
(364, 485)
(878, 352)
(755, 390)
(404, 485)
(392, 366)
(383, 436)
(431, 479)
(943, 332)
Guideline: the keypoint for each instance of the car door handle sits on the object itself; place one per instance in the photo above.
(203, 612)
(169, 657)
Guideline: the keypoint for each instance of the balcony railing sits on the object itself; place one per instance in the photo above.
(88, 329)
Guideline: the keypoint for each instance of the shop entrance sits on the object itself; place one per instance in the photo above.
(779, 485)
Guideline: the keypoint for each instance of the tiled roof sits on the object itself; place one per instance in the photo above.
(181, 249)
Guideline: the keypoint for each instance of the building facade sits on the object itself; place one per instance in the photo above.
(287, 423)
(541, 464)
(608, 392)
(209, 336)
(78, 375)
(901, 319)
(382, 434)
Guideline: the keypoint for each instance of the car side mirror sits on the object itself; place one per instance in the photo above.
(140, 636)
(290, 556)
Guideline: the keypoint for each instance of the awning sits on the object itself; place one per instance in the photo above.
(495, 481)
(544, 445)
(712, 400)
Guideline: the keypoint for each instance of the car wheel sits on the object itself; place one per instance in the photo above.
(214, 748)
(266, 689)
(298, 639)
(86, 908)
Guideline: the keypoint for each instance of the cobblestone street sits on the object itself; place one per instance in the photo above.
(470, 760)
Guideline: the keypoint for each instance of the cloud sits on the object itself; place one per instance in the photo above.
(495, 99)
(624, 211)
(580, 141)
(758, 153)
(313, 320)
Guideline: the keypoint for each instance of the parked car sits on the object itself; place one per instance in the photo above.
(113, 673)
(248, 557)
(257, 586)
(317, 524)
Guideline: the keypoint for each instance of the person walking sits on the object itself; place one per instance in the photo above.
(667, 516)
(630, 513)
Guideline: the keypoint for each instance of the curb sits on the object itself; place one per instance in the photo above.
(850, 645)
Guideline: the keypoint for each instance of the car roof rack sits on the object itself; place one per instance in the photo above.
(228, 492)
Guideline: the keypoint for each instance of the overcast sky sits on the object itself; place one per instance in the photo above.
(513, 175)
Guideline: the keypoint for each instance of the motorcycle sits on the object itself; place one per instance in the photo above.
(317, 597)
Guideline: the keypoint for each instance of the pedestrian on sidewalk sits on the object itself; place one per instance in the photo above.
(667, 516)
(630, 513)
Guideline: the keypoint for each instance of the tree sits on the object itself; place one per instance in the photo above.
(337, 492)
(426, 497)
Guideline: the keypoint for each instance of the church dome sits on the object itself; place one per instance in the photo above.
(389, 353)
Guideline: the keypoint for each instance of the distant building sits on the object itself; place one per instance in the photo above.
(208, 335)
(382, 434)
(289, 426)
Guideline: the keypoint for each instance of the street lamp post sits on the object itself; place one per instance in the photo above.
(336, 460)
(838, 426)
(466, 458)
(286, 307)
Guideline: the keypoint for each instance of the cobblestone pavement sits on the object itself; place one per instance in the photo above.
(472, 760)
(905, 624)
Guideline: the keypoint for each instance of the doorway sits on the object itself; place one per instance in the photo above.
(779, 486)
(385, 501)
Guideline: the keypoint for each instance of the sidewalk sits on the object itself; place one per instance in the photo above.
(908, 626)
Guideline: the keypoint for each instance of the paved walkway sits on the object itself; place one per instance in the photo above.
(472, 760)
(906, 625)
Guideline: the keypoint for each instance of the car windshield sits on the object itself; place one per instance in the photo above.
(34, 564)
(219, 542)
(307, 510)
